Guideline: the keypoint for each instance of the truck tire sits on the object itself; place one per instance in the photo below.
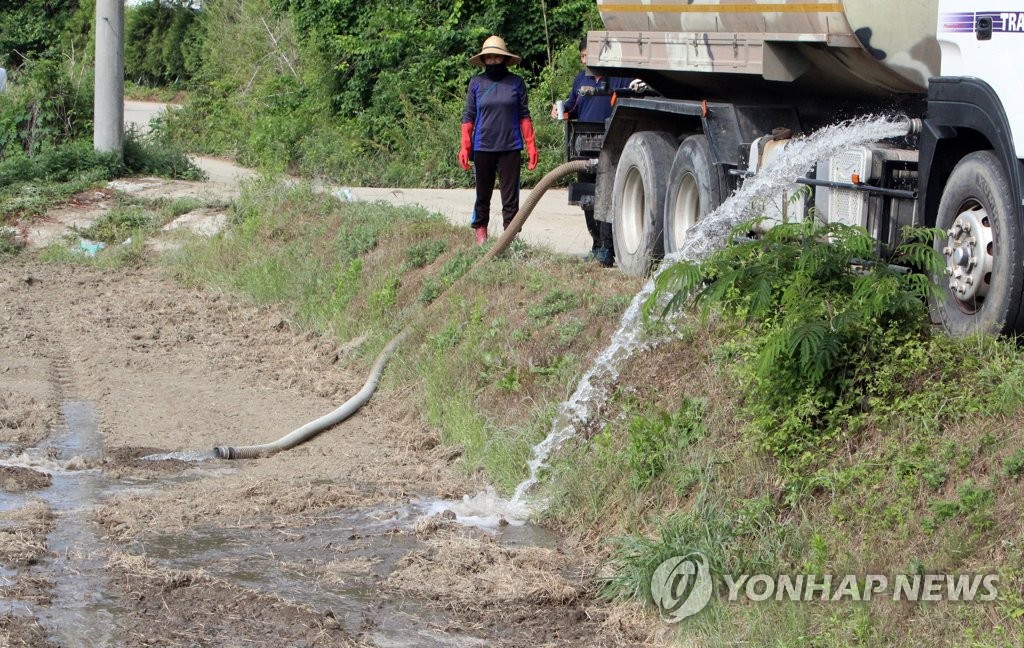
(695, 189)
(638, 200)
(983, 281)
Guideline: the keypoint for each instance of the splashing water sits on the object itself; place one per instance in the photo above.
(486, 508)
(800, 155)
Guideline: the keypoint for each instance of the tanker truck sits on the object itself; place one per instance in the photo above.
(736, 79)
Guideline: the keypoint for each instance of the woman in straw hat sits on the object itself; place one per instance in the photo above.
(496, 125)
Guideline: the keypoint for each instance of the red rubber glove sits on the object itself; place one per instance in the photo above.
(467, 142)
(531, 145)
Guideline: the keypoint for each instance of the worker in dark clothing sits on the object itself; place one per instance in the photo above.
(591, 101)
(496, 126)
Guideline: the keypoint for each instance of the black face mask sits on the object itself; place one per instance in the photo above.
(496, 71)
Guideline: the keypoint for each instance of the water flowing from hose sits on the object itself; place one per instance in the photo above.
(702, 239)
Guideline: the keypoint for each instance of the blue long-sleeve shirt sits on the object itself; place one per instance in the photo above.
(590, 108)
(495, 109)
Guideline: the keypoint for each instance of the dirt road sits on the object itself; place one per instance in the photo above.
(554, 224)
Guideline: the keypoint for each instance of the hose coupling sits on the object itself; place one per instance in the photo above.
(914, 126)
(225, 452)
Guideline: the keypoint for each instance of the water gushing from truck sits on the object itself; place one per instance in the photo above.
(705, 237)
(801, 154)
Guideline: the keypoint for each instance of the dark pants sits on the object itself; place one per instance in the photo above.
(505, 167)
(600, 232)
(594, 228)
(606, 235)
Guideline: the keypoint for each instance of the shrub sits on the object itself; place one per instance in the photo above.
(825, 310)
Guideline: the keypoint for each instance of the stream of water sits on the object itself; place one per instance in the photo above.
(487, 508)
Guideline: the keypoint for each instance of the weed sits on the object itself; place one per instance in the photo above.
(431, 290)
(685, 479)
(709, 529)
(509, 380)
(613, 305)
(359, 240)
(972, 503)
(706, 530)
(1013, 466)
(450, 272)
(425, 253)
(118, 224)
(8, 243)
(384, 298)
(652, 439)
(154, 153)
(447, 338)
(522, 334)
(569, 331)
(824, 325)
(558, 369)
(554, 303)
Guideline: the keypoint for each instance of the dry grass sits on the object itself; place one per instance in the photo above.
(24, 419)
(23, 536)
(478, 573)
(191, 607)
(20, 632)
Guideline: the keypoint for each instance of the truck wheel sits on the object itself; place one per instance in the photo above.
(984, 277)
(695, 189)
(638, 199)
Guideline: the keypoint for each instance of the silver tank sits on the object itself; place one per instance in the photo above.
(846, 48)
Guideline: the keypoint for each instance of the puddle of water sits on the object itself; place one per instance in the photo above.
(7, 576)
(12, 606)
(83, 431)
(357, 552)
(81, 612)
(334, 565)
(11, 502)
(15, 608)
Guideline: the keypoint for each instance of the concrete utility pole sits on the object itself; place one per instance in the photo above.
(108, 97)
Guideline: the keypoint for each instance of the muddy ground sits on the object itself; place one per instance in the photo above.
(324, 545)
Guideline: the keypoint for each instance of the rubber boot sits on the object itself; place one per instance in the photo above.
(481, 235)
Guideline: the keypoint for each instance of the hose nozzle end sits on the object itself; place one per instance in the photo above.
(225, 452)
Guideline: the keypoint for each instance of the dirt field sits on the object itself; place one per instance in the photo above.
(323, 545)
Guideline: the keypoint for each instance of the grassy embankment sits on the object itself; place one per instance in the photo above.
(767, 442)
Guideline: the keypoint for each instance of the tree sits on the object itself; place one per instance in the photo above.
(31, 27)
(160, 39)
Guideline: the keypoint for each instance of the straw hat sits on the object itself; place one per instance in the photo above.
(495, 45)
